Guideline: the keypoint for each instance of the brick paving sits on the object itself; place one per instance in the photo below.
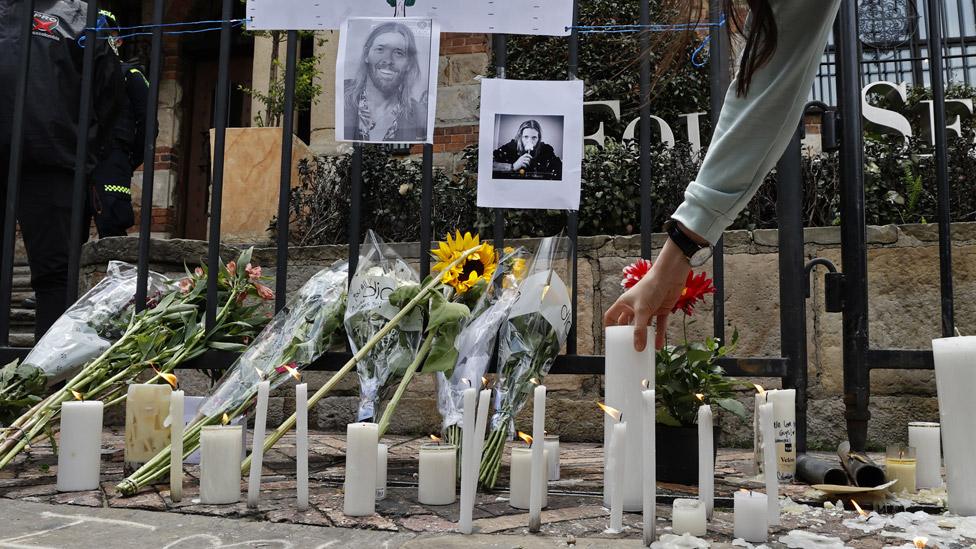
(575, 509)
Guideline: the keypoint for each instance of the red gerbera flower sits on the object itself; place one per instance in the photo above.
(696, 287)
(634, 272)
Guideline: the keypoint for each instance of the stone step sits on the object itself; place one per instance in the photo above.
(21, 317)
(21, 339)
(21, 281)
(21, 270)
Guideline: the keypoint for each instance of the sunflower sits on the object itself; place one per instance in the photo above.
(479, 265)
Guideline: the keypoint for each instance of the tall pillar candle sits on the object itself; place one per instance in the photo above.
(767, 441)
(438, 474)
(220, 464)
(706, 459)
(650, 467)
(955, 377)
(521, 478)
(925, 438)
(625, 370)
(757, 457)
(469, 462)
(617, 474)
(146, 433)
(301, 444)
(359, 493)
(784, 421)
(80, 446)
(538, 458)
(382, 455)
(257, 449)
(750, 521)
(176, 426)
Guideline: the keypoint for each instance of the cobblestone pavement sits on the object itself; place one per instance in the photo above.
(575, 515)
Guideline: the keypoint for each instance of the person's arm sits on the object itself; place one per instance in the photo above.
(108, 92)
(754, 131)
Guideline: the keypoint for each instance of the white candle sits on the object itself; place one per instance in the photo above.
(176, 446)
(359, 493)
(706, 459)
(955, 377)
(80, 446)
(688, 517)
(146, 410)
(925, 438)
(481, 425)
(900, 465)
(469, 461)
(521, 478)
(769, 466)
(438, 474)
(784, 421)
(552, 446)
(382, 452)
(617, 470)
(650, 468)
(257, 449)
(538, 458)
(625, 371)
(301, 444)
(220, 464)
(757, 455)
(751, 517)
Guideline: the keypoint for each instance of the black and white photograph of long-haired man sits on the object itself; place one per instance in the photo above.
(528, 147)
(385, 82)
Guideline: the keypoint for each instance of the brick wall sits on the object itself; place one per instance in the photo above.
(450, 139)
(453, 43)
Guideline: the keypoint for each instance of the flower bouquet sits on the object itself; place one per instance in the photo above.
(305, 329)
(379, 275)
(528, 343)
(172, 330)
(82, 333)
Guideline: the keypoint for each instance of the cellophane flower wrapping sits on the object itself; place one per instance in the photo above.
(380, 272)
(301, 332)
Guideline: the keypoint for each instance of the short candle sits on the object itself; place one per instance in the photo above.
(900, 465)
(220, 464)
(521, 475)
(688, 517)
(438, 474)
(925, 438)
(80, 446)
(552, 446)
(751, 520)
(146, 432)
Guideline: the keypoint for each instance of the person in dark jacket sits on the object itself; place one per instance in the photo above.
(378, 101)
(111, 194)
(51, 132)
(526, 156)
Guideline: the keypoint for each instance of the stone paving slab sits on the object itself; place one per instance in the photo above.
(575, 515)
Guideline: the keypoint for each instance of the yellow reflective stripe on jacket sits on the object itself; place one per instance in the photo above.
(118, 189)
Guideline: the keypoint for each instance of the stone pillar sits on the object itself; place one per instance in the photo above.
(261, 72)
(323, 112)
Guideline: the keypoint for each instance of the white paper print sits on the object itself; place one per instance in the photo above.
(536, 17)
(530, 148)
(386, 80)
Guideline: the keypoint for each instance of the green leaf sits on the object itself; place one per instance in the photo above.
(444, 312)
(226, 346)
(732, 406)
(404, 294)
(665, 418)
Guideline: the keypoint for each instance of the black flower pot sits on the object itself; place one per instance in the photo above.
(677, 453)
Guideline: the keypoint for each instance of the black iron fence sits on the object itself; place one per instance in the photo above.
(847, 291)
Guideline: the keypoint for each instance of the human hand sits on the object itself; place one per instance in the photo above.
(522, 162)
(652, 297)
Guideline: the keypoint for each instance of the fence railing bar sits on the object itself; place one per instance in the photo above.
(718, 68)
(853, 232)
(900, 359)
(9, 231)
(962, 38)
(792, 279)
(220, 138)
(941, 167)
(500, 47)
(426, 207)
(572, 217)
(646, 211)
(149, 155)
(284, 190)
(81, 157)
(355, 206)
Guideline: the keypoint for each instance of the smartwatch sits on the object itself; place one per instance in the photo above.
(696, 253)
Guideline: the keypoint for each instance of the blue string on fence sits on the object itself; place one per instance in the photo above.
(102, 28)
(697, 58)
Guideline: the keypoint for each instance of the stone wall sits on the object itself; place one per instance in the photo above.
(904, 313)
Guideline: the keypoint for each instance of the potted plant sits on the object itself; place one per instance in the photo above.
(687, 375)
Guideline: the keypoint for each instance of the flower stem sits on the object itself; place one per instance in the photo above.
(407, 377)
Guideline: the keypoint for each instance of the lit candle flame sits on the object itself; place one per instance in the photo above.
(226, 419)
(294, 373)
(545, 291)
(484, 381)
(436, 439)
(534, 381)
(612, 412)
(920, 542)
(858, 507)
(526, 437)
(169, 378)
(259, 372)
(468, 381)
(700, 397)
(78, 396)
(759, 389)
(645, 384)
